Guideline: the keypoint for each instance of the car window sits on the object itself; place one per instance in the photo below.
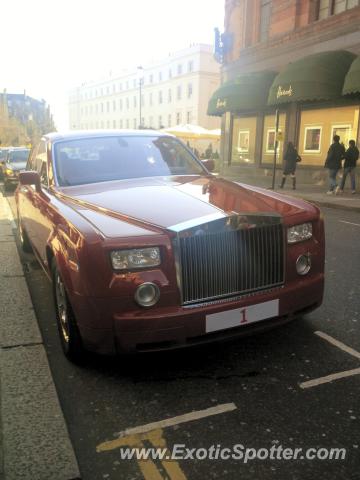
(41, 163)
(100, 159)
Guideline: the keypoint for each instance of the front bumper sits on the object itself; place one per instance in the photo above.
(157, 329)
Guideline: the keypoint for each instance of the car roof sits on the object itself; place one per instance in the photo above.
(77, 134)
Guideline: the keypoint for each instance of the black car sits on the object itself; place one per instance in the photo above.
(15, 162)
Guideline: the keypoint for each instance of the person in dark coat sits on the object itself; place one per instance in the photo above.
(291, 158)
(351, 157)
(333, 162)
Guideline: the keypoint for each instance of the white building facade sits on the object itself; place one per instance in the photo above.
(173, 91)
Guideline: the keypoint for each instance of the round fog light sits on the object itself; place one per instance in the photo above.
(147, 294)
(303, 264)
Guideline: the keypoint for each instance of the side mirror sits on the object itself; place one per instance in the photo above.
(30, 178)
(209, 164)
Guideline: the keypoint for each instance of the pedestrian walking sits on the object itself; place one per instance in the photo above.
(334, 156)
(351, 156)
(291, 158)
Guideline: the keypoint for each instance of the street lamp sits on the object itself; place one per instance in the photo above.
(140, 69)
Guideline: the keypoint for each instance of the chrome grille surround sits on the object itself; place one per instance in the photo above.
(250, 246)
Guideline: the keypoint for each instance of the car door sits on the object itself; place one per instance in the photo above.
(42, 204)
(26, 198)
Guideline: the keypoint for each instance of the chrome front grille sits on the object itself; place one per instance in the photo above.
(224, 259)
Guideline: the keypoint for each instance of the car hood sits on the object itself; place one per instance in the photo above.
(171, 202)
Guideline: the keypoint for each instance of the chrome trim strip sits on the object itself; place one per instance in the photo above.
(196, 221)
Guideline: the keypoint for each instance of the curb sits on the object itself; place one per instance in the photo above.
(35, 439)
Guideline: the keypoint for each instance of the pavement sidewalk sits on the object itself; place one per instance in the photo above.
(34, 441)
(312, 193)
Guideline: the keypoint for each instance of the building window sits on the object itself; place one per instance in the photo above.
(108, 107)
(150, 99)
(150, 122)
(160, 97)
(107, 124)
(190, 66)
(120, 87)
(179, 69)
(160, 122)
(151, 78)
(142, 101)
(127, 104)
(189, 90)
(312, 139)
(102, 108)
(121, 124)
(114, 105)
(160, 76)
(169, 120)
(265, 15)
(120, 104)
(96, 108)
(127, 85)
(107, 90)
(127, 123)
(114, 123)
(169, 95)
(178, 118)
(326, 8)
(188, 117)
(134, 123)
(114, 88)
(178, 92)
(134, 83)
(170, 73)
(134, 102)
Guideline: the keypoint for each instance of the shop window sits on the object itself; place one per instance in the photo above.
(243, 140)
(268, 143)
(312, 139)
(344, 132)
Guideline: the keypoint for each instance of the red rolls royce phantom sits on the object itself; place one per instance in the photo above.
(148, 250)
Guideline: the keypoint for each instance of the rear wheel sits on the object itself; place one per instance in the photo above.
(68, 331)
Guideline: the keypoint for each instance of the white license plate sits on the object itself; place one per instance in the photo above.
(242, 316)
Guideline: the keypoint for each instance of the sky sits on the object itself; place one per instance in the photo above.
(51, 46)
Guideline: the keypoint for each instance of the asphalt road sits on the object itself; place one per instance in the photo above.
(260, 375)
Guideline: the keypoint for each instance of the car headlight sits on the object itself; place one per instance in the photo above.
(8, 171)
(299, 233)
(136, 258)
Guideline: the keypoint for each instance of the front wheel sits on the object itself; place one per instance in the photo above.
(68, 331)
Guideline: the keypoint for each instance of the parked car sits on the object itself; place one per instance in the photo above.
(3, 152)
(14, 163)
(147, 250)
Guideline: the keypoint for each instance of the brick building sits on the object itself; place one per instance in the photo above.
(300, 57)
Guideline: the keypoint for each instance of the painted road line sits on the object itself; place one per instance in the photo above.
(330, 378)
(350, 223)
(169, 422)
(338, 344)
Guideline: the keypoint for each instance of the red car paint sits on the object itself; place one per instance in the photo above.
(81, 225)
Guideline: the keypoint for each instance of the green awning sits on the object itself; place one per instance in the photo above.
(316, 77)
(352, 79)
(247, 92)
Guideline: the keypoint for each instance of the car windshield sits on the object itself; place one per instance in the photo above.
(18, 156)
(101, 159)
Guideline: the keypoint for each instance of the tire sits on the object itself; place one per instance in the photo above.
(23, 238)
(7, 186)
(70, 337)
